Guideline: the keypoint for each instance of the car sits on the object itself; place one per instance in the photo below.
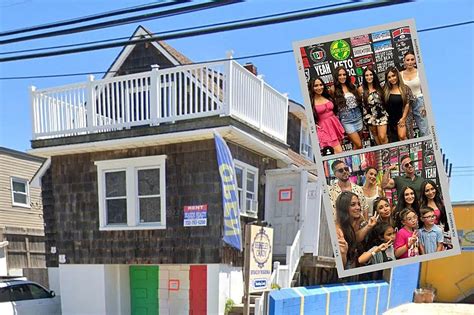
(23, 297)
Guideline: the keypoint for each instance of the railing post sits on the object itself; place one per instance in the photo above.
(262, 89)
(276, 268)
(90, 110)
(228, 86)
(154, 95)
(33, 112)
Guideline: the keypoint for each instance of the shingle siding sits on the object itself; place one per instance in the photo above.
(192, 177)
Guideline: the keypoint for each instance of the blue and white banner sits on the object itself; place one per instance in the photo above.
(230, 195)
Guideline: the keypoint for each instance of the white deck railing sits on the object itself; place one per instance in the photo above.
(283, 274)
(159, 96)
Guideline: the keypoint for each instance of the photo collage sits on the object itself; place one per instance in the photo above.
(372, 128)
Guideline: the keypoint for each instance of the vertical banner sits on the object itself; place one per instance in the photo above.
(230, 203)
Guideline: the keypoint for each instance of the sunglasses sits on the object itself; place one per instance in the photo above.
(343, 169)
(429, 217)
(408, 164)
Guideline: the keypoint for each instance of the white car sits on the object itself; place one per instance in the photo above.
(21, 297)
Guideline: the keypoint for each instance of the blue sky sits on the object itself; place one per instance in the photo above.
(447, 54)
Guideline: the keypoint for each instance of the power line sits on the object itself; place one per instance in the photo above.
(349, 8)
(181, 29)
(267, 54)
(127, 20)
(122, 11)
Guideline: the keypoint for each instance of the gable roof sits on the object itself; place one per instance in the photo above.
(174, 56)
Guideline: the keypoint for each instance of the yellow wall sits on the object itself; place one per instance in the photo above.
(453, 277)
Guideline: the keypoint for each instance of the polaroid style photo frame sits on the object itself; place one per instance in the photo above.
(343, 101)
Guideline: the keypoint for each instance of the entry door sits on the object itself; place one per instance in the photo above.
(282, 210)
(144, 290)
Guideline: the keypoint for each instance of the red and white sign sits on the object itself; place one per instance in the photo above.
(285, 194)
(173, 285)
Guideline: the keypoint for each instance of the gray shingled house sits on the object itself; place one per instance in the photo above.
(129, 154)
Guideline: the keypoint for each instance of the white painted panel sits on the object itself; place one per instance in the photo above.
(82, 289)
(53, 278)
(3, 262)
(311, 220)
(215, 302)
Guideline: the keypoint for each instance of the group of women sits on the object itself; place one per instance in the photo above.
(375, 238)
(388, 110)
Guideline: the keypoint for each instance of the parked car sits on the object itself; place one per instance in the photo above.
(22, 297)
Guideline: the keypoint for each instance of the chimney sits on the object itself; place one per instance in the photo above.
(250, 67)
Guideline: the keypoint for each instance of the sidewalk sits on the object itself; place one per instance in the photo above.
(432, 309)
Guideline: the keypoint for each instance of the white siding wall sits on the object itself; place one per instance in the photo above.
(19, 216)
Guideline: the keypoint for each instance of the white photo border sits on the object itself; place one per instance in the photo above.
(443, 180)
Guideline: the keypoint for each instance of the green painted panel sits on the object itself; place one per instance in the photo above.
(144, 290)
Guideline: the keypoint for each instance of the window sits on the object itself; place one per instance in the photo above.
(247, 186)
(132, 193)
(20, 192)
(38, 292)
(305, 143)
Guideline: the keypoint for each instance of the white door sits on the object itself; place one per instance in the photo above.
(282, 207)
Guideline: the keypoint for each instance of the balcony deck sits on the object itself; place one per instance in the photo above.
(157, 97)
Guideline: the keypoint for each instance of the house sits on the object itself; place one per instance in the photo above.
(21, 213)
(129, 153)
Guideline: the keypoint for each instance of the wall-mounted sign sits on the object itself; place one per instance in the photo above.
(195, 215)
(285, 194)
(173, 285)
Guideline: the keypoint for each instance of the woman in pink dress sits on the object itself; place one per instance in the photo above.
(329, 128)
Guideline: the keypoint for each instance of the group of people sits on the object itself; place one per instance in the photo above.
(371, 230)
(388, 110)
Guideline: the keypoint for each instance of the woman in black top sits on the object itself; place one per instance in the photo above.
(398, 100)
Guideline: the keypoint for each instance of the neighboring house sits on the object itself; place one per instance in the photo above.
(129, 152)
(21, 213)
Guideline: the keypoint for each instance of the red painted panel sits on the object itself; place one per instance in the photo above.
(198, 290)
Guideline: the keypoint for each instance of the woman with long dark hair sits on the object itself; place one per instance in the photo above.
(374, 113)
(398, 99)
(347, 103)
(430, 196)
(412, 80)
(328, 127)
(407, 200)
(350, 229)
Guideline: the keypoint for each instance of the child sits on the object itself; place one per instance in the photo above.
(431, 235)
(406, 241)
(383, 236)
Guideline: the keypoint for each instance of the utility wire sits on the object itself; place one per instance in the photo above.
(127, 20)
(87, 18)
(267, 54)
(349, 8)
(181, 29)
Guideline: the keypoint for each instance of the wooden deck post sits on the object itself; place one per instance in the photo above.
(90, 110)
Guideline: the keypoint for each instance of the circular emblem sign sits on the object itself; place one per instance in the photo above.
(317, 54)
(340, 49)
(261, 248)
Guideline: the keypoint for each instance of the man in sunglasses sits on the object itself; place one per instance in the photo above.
(342, 173)
(409, 179)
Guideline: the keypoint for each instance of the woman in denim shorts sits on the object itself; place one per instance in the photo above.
(347, 102)
(411, 78)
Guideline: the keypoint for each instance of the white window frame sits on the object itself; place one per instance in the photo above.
(243, 203)
(131, 166)
(305, 142)
(27, 192)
